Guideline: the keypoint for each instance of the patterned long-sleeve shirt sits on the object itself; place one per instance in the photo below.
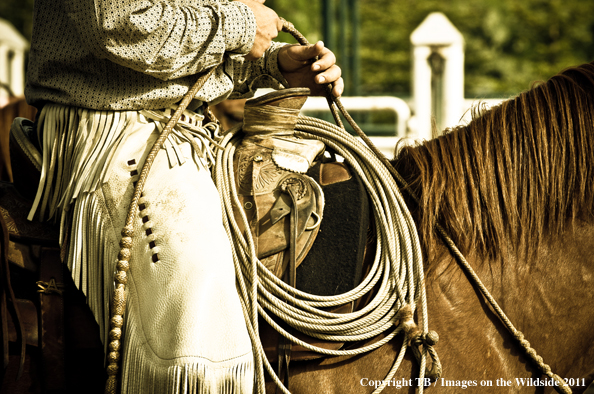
(143, 54)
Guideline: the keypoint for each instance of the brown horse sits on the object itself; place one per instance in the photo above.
(514, 189)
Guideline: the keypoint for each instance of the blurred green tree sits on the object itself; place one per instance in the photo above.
(20, 14)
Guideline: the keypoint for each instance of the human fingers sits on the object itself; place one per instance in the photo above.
(329, 75)
(326, 59)
(332, 75)
(303, 53)
(294, 57)
(328, 71)
(338, 87)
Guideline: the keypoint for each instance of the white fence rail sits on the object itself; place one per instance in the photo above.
(375, 103)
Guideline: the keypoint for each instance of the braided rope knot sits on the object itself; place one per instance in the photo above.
(419, 339)
(545, 368)
(406, 321)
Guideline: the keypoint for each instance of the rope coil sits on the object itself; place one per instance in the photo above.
(335, 105)
(397, 270)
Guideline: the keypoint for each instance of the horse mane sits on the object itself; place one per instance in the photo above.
(517, 173)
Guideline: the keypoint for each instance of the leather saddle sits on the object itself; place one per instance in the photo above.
(283, 205)
(292, 195)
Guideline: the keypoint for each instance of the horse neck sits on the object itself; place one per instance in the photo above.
(515, 191)
(549, 268)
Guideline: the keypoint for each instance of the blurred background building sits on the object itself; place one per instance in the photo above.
(13, 47)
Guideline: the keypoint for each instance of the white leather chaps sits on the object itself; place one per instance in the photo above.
(184, 330)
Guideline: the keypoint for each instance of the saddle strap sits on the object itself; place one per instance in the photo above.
(51, 323)
(284, 345)
(284, 358)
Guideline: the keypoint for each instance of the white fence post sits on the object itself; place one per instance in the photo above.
(438, 74)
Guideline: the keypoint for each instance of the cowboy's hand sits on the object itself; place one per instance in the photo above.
(296, 63)
(268, 25)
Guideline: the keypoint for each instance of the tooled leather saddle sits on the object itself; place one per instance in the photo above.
(293, 194)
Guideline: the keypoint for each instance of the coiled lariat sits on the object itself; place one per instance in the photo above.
(396, 273)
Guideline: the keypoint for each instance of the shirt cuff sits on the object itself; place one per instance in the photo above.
(272, 63)
(239, 27)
